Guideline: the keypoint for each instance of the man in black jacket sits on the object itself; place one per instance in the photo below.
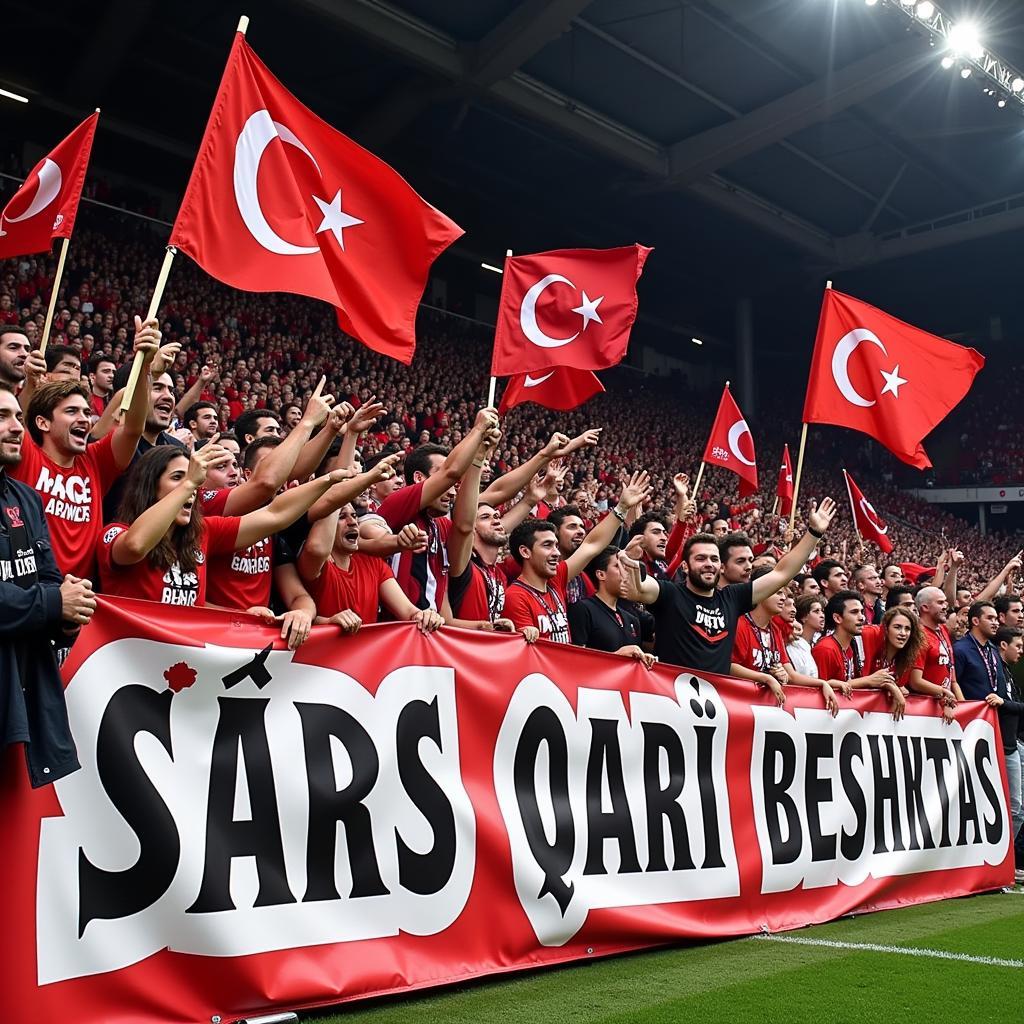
(36, 607)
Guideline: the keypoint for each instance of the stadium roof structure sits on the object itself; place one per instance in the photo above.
(761, 146)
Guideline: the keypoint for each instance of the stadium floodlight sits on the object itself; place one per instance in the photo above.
(697, 341)
(1017, 84)
(965, 72)
(491, 267)
(925, 9)
(908, 3)
(1001, 102)
(965, 39)
(947, 62)
(17, 97)
(871, 3)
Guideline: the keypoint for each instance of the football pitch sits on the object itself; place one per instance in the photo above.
(959, 958)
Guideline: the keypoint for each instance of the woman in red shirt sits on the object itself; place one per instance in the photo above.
(160, 548)
(894, 644)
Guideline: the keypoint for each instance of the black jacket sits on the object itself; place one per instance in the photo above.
(32, 709)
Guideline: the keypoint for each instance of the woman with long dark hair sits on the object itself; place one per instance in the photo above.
(159, 547)
(893, 646)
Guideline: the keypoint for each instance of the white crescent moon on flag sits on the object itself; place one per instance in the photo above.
(47, 190)
(259, 131)
(528, 314)
(841, 364)
(532, 382)
(736, 431)
(869, 514)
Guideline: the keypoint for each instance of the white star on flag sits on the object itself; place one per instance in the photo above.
(588, 310)
(893, 381)
(335, 219)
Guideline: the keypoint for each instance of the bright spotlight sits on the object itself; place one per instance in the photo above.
(697, 341)
(17, 97)
(965, 72)
(964, 38)
(871, 3)
(1017, 84)
(492, 268)
(925, 9)
(947, 62)
(1001, 103)
(908, 3)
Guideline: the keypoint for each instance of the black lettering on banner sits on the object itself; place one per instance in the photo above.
(256, 670)
(242, 728)
(328, 805)
(937, 751)
(554, 858)
(887, 791)
(662, 803)
(778, 746)
(993, 828)
(818, 789)
(852, 843)
(424, 873)
(108, 895)
(968, 798)
(617, 824)
(913, 776)
(706, 779)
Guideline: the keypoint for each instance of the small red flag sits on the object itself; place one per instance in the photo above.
(571, 307)
(726, 446)
(46, 205)
(873, 373)
(281, 201)
(561, 388)
(865, 518)
(784, 488)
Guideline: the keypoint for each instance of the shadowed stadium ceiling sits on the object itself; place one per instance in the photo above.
(760, 145)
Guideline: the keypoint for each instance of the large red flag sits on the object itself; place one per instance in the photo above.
(571, 307)
(46, 205)
(784, 488)
(874, 373)
(561, 388)
(865, 518)
(280, 201)
(726, 446)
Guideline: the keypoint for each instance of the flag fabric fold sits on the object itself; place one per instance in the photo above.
(569, 307)
(726, 446)
(279, 200)
(876, 374)
(562, 388)
(46, 205)
(784, 488)
(867, 521)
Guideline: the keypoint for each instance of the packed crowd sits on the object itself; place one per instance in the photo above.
(269, 466)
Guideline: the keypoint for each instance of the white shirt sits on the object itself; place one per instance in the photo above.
(800, 657)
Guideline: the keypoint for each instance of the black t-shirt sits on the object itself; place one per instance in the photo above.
(698, 632)
(593, 624)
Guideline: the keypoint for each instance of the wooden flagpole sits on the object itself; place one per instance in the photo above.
(53, 295)
(800, 463)
(494, 380)
(158, 291)
(775, 505)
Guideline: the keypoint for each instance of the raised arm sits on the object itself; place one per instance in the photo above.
(506, 487)
(641, 591)
(149, 529)
(794, 560)
(317, 547)
(460, 540)
(35, 375)
(207, 375)
(459, 459)
(633, 494)
(1005, 575)
(126, 437)
(314, 450)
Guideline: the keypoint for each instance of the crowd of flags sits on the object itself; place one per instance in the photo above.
(278, 200)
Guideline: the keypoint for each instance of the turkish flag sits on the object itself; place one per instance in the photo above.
(865, 518)
(45, 206)
(912, 572)
(726, 446)
(873, 373)
(280, 201)
(570, 307)
(784, 488)
(561, 388)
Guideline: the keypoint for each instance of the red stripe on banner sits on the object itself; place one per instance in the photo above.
(194, 866)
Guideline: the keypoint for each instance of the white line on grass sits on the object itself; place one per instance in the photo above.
(872, 947)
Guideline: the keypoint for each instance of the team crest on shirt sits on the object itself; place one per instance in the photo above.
(710, 623)
(14, 515)
(112, 533)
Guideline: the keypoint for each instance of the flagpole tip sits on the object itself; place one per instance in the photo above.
(727, 383)
(243, 24)
(508, 253)
(97, 110)
(828, 284)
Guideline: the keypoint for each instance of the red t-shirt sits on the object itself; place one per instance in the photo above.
(356, 588)
(873, 638)
(215, 503)
(756, 648)
(165, 586)
(480, 593)
(936, 660)
(72, 499)
(546, 611)
(835, 663)
(423, 577)
(242, 579)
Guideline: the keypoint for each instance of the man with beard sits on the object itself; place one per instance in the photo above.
(14, 350)
(892, 577)
(536, 602)
(348, 586)
(36, 608)
(696, 620)
(571, 531)
(935, 673)
(71, 475)
(652, 530)
(737, 557)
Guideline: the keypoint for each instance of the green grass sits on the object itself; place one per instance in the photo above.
(756, 980)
